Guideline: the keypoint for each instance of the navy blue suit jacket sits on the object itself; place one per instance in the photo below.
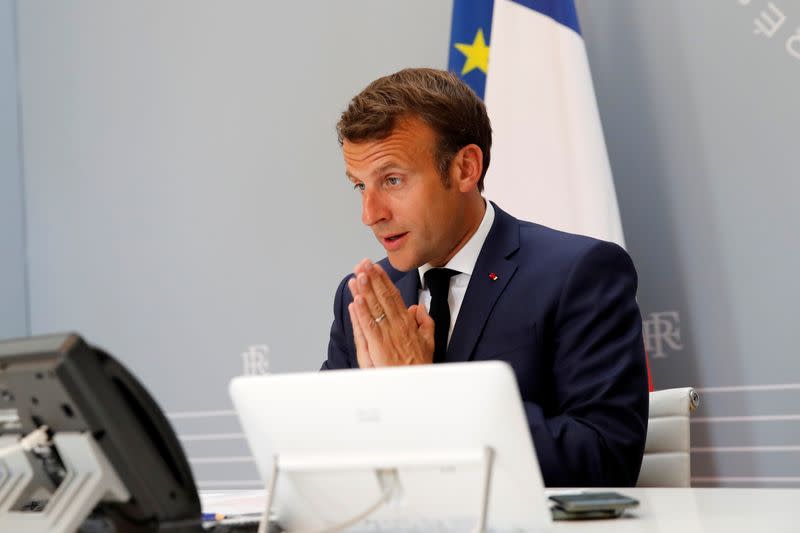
(562, 312)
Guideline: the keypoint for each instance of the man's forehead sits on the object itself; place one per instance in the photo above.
(408, 140)
(373, 151)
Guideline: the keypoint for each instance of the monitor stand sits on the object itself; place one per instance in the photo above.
(382, 463)
(89, 479)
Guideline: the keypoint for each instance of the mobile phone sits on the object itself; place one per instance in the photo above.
(560, 514)
(593, 501)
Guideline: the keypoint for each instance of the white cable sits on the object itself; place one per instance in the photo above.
(385, 497)
(390, 483)
(37, 437)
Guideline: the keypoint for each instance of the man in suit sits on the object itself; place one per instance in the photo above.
(559, 308)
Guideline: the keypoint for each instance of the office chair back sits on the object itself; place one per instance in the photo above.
(666, 460)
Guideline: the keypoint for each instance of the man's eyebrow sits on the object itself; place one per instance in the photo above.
(387, 167)
(377, 172)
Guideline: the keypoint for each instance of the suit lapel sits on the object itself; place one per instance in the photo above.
(489, 279)
(408, 285)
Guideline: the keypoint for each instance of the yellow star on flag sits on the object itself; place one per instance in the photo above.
(477, 54)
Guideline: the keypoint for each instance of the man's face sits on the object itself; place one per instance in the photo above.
(403, 200)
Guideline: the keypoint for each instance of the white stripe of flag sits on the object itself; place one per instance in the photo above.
(549, 160)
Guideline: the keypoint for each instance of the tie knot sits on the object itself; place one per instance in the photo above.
(438, 279)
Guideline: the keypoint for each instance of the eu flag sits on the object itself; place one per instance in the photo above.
(469, 42)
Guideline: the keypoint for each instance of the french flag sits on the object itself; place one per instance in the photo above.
(549, 159)
(527, 60)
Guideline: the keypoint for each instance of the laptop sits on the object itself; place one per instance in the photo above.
(420, 448)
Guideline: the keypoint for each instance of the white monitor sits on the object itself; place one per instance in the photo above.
(341, 437)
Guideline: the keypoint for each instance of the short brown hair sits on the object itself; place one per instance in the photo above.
(437, 97)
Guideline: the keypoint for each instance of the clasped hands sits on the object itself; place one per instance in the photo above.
(387, 333)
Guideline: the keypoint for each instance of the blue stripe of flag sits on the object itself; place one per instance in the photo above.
(468, 16)
(562, 11)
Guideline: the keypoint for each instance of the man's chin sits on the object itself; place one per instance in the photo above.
(402, 262)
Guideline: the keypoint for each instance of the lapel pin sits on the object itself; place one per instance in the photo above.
(493, 276)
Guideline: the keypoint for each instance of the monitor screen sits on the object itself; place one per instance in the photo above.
(61, 382)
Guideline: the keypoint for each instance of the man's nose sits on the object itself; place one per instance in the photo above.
(373, 208)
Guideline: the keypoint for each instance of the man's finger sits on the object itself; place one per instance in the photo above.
(388, 297)
(412, 313)
(362, 352)
(373, 332)
(353, 287)
(424, 323)
(361, 266)
(367, 291)
(352, 283)
(369, 326)
(398, 327)
(422, 333)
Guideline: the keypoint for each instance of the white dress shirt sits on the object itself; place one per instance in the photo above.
(464, 263)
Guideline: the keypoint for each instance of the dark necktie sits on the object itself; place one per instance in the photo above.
(437, 280)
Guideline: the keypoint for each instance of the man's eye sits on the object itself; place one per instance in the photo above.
(393, 181)
(358, 187)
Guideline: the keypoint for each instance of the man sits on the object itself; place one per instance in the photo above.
(559, 308)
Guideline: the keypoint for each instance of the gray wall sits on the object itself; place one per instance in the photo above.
(13, 301)
(186, 192)
(186, 196)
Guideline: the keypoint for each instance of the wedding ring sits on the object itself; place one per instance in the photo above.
(378, 320)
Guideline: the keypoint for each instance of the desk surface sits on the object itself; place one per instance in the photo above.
(660, 510)
(701, 510)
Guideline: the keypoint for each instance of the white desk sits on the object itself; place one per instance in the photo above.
(660, 510)
(701, 510)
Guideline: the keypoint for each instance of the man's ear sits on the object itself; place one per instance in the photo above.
(467, 167)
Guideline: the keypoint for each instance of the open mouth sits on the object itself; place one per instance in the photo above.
(392, 242)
